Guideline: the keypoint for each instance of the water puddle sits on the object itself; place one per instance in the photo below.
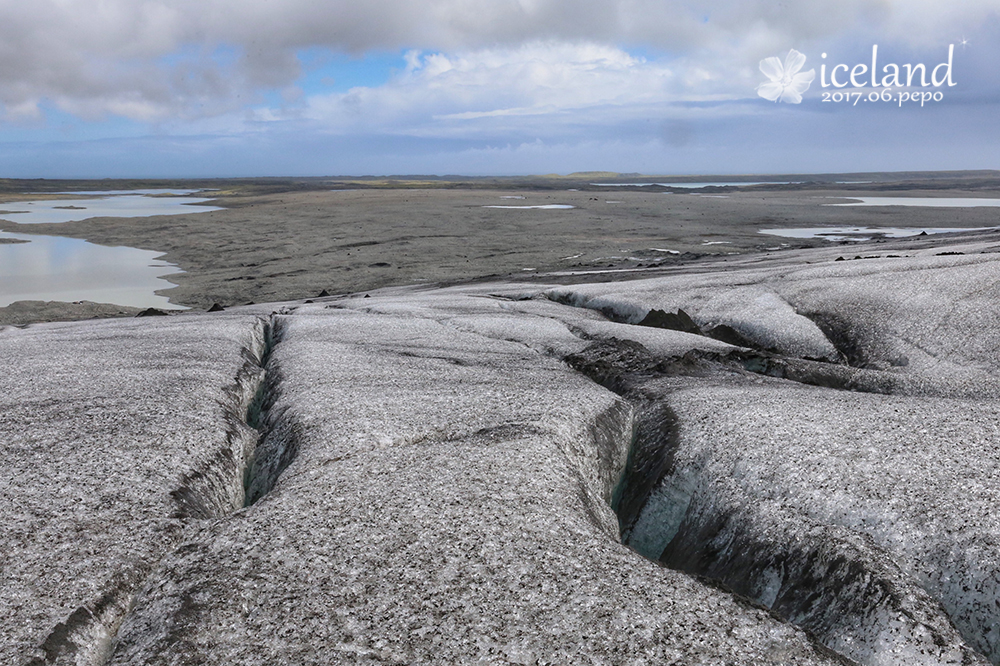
(865, 233)
(599, 271)
(542, 207)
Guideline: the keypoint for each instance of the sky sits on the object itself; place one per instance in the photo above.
(225, 88)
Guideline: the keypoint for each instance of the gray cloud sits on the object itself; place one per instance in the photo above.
(157, 59)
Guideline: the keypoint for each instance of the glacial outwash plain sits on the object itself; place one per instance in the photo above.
(558, 420)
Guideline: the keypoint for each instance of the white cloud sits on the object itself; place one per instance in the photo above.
(539, 87)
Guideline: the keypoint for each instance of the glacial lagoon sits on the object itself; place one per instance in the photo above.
(110, 204)
(53, 268)
(932, 202)
(862, 233)
(698, 186)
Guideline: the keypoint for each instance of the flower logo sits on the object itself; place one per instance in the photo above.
(786, 82)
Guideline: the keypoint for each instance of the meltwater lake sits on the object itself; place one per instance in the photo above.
(863, 233)
(53, 268)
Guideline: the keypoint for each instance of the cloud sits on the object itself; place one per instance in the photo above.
(224, 87)
(542, 89)
(156, 60)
